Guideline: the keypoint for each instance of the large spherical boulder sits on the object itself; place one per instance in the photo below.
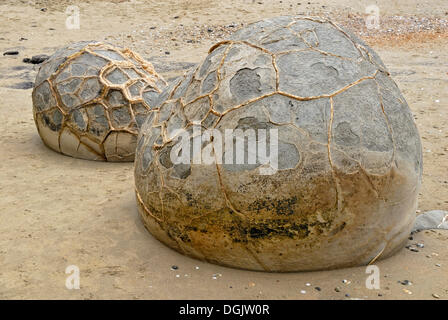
(88, 100)
(341, 184)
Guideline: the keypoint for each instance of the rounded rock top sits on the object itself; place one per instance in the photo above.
(344, 165)
(88, 100)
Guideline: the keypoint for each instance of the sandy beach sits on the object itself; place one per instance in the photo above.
(57, 211)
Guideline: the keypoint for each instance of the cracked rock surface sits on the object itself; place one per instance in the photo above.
(88, 100)
(350, 160)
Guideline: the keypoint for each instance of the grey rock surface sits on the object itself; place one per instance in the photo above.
(349, 153)
(434, 219)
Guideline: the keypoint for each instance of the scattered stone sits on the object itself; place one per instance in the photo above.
(435, 295)
(167, 52)
(43, 9)
(337, 289)
(347, 295)
(318, 288)
(405, 282)
(407, 291)
(302, 291)
(174, 267)
(434, 219)
(420, 245)
(438, 265)
(36, 59)
(22, 39)
(11, 53)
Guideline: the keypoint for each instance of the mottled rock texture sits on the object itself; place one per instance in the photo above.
(88, 100)
(350, 160)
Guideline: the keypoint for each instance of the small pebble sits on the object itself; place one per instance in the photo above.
(318, 288)
(438, 265)
(435, 295)
(308, 284)
(302, 291)
(420, 245)
(337, 289)
(11, 53)
(405, 282)
(36, 59)
(174, 267)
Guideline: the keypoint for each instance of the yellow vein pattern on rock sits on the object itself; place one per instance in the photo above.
(88, 100)
(349, 165)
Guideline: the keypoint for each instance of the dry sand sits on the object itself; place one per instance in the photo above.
(57, 211)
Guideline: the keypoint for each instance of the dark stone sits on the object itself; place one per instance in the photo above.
(11, 53)
(36, 59)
